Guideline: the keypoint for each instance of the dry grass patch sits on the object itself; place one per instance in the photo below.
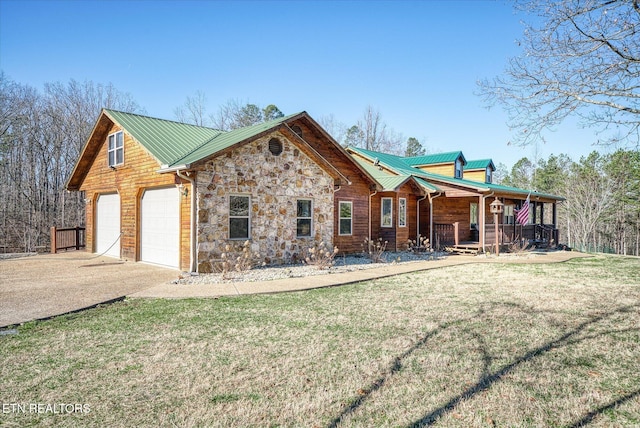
(545, 345)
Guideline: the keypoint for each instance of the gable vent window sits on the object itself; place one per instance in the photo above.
(275, 146)
(297, 130)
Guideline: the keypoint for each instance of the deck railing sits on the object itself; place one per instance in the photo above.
(445, 234)
(67, 238)
(541, 233)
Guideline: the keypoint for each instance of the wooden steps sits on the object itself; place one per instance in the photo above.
(472, 249)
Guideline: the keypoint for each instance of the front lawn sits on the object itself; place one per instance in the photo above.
(471, 345)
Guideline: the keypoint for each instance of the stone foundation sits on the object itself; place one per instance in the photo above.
(274, 183)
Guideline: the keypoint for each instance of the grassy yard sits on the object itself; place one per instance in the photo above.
(473, 345)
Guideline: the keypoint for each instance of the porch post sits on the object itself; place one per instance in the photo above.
(53, 240)
(456, 231)
(542, 213)
(481, 221)
(554, 208)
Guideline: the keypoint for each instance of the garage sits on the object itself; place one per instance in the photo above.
(160, 227)
(108, 225)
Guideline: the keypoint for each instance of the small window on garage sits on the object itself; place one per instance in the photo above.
(116, 149)
(275, 146)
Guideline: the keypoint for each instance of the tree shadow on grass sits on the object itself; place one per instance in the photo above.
(589, 417)
(488, 378)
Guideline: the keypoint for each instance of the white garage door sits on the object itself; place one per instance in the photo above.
(160, 227)
(108, 225)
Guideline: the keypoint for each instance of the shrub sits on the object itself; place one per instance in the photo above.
(238, 258)
(320, 256)
(375, 250)
(419, 245)
(519, 245)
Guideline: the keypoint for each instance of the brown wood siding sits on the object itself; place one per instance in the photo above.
(357, 192)
(397, 237)
(451, 210)
(138, 172)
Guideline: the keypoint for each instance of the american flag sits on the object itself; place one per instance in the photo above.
(523, 213)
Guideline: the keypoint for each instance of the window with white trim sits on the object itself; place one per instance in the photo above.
(239, 216)
(489, 176)
(116, 149)
(386, 214)
(346, 218)
(402, 212)
(509, 216)
(473, 214)
(303, 218)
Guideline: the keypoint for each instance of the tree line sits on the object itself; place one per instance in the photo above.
(43, 132)
(41, 135)
(601, 212)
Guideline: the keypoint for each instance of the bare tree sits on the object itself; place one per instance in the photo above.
(334, 127)
(588, 200)
(40, 140)
(584, 60)
(193, 110)
(372, 133)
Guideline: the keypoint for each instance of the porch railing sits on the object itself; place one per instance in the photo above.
(540, 233)
(444, 234)
(67, 238)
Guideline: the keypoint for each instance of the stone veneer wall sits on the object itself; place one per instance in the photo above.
(274, 183)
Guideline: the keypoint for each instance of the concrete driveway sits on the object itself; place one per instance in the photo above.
(42, 286)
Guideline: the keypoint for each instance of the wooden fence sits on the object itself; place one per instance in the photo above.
(67, 238)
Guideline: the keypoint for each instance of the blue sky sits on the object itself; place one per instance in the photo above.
(417, 62)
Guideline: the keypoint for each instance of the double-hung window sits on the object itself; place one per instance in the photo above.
(402, 212)
(509, 217)
(303, 218)
(346, 218)
(239, 218)
(386, 219)
(116, 149)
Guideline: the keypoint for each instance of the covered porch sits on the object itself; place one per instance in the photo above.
(464, 224)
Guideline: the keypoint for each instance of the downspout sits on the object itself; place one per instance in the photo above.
(370, 196)
(431, 217)
(418, 218)
(192, 226)
(484, 219)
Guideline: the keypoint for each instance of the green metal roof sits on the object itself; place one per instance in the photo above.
(392, 162)
(176, 144)
(479, 164)
(448, 157)
(397, 164)
(165, 139)
(391, 182)
(227, 139)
